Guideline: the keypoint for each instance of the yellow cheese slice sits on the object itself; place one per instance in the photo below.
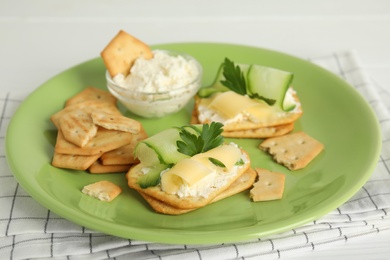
(185, 171)
(229, 104)
(227, 154)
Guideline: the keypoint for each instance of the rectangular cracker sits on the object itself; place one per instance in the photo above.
(97, 168)
(269, 186)
(122, 51)
(77, 127)
(116, 122)
(124, 154)
(73, 162)
(104, 141)
(295, 151)
(91, 94)
(102, 190)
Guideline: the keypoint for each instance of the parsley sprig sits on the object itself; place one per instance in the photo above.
(200, 141)
(235, 81)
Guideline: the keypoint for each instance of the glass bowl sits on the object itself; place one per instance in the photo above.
(157, 104)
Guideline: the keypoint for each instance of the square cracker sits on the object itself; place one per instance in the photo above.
(97, 167)
(269, 186)
(73, 162)
(294, 151)
(77, 127)
(104, 141)
(91, 93)
(122, 51)
(102, 190)
(124, 154)
(243, 183)
(116, 122)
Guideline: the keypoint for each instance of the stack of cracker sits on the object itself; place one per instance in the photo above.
(274, 126)
(93, 135)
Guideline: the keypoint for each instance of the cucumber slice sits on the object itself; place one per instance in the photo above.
(217, 85)
(270, 83)
(160, 148)
(152, 177)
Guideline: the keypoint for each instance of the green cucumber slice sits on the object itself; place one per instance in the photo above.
(152, 178)
(217, 85)
(160, 148)
(270, 83)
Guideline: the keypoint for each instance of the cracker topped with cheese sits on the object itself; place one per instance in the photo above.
(188, 167)
(251, 101)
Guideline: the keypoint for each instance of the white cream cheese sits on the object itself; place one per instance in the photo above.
(162, 73)
(211, 182)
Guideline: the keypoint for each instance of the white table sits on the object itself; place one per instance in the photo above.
(41, 38)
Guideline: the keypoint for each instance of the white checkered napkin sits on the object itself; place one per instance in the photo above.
(28, 230)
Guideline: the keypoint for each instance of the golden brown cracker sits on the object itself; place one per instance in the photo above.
(88, 106)
(74, 162)
(245, 181)
(102, 190)
(182, 203)
(104, 140)
(98, 168)
(269, 186)
(91, 94)
(283, 118)
(116, 122)
(77, 127)
(295, 150)
(122, 51)
(124, 154)
(262, 132)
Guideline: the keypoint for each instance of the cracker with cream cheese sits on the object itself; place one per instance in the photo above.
(188, 202)
(244, 182)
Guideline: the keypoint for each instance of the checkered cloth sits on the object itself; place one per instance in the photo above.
(28, 230)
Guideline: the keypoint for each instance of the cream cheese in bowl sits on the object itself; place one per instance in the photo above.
(159, 86)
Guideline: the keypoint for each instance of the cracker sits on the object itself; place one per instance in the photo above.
(122, 51)
(102, 190)
(243, 183)
(295, 151)
(88, 106)
(116, 122)
(73, 162)
(124, 154)
(283, 118)
(77, 127)
(261, 132)
(97, 167)
(189, 202)
(269, 186)
(91, 94)
(104, 140)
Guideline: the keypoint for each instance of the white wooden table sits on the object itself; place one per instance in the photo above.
(41, 38)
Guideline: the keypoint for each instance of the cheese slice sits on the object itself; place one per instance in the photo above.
(229, 104)
(227, 154)
(185, 171)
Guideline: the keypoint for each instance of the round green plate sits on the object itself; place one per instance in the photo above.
(334, 113)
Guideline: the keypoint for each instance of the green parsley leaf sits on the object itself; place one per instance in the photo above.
(235, 81)
(234, 77)
(194, 142)
(217, 162)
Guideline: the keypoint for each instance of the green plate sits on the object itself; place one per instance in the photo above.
(334, 113)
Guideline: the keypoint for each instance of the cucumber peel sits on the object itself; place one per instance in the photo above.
(152, 177)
